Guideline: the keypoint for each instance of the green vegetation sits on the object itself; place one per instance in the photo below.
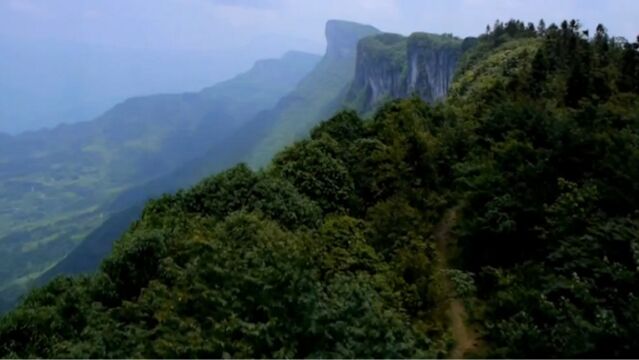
(385, 47)
(549, 185)
(514, 203)
(434, 41)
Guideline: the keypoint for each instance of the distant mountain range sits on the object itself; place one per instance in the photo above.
(50, 82)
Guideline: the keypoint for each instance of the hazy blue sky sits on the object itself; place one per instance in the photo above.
(211, 24)
(75, 58)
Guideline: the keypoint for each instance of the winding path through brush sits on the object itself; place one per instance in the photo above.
(465, 337)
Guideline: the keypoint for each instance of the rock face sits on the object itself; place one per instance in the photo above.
(393, 66)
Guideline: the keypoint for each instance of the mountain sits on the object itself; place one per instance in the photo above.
(500, 222)
(55, 184)
(318, 95)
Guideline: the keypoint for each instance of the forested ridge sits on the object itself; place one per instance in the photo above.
(332, 250)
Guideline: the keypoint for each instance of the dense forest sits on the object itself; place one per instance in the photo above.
(511, 205)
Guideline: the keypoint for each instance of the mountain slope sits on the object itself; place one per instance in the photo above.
(86, 257)
(56, 183)
(318, 95)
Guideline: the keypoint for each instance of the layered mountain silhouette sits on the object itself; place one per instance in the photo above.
(144, 147)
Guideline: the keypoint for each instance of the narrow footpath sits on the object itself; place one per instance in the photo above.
(465, 337)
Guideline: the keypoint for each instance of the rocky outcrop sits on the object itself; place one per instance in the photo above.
(393, 66)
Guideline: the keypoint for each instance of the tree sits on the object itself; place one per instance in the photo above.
(541, 27)
(312, 168)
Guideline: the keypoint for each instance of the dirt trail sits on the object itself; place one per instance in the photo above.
(466, 338)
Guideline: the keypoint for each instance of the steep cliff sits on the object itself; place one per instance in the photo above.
(393, 66)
